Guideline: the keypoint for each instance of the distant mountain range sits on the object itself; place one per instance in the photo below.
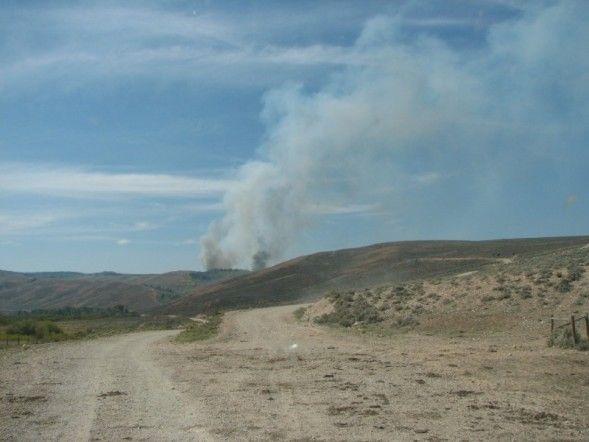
(140, 293)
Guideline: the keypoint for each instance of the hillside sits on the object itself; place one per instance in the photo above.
(50, 290)
(521, 294)
(309, 277)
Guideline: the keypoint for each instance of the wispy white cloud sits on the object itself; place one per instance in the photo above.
(15, 223)
(79, 182)
(426, 179)
(445, 22)
(189, 242)
(123, 242)
(142, 23)
(105, 42)
(216, 206)
(335, 209)
(102, 41)
(142, 226)
(177, 62)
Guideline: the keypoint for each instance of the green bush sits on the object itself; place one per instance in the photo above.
(39, 329)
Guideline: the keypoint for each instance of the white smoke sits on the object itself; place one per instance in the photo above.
(523, 91)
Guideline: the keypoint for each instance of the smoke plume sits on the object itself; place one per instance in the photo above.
(405, 100)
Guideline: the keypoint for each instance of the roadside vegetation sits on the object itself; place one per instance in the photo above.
(299, 313)
(201, 328)
(350, 308)
(563, 338)
(28, 330)
(78, 323)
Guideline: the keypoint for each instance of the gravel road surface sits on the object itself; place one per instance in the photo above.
(103, 389)
(269, 377)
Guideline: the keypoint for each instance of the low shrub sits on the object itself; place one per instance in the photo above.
(564, 286)
(38, 329)
(22, 328)
(563, 338)
(299, 313)
(576, 273)
(406, 321)
(349, 311)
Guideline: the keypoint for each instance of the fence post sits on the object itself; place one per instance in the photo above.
(587, 325)
(551, 326)
(573, 329)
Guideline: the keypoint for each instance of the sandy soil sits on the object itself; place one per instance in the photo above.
(269, 377)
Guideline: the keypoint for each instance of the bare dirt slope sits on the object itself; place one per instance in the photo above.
(270, 377)
(105, 389)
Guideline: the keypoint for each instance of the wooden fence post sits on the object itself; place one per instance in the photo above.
(587, 325)
(573, 329)
(551, 326)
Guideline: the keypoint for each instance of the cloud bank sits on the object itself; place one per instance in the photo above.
(523, 94)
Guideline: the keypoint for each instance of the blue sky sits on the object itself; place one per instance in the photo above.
(155, 136)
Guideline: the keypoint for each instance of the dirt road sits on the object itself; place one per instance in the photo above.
(268, 377)
(104, 389)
